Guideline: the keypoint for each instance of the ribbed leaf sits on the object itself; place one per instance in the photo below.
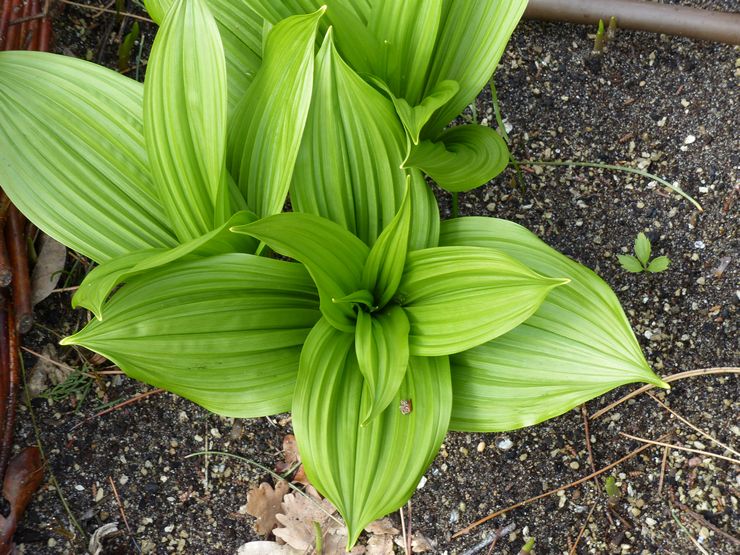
(240, 28)
(458, 298)
(461, 158)
(366, 471)
(185, 119)
(348, 168)
(471, 40)
(347, 18)
(642, 248)
(577, 345)
(333, 256)
(99, 283)
(266, 129)
(382, 348)
(72, 154)
(384, 267)
(414, 118)
(406, 33)
(224, 332)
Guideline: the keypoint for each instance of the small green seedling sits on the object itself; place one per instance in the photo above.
(612, 491)
(527, 547)
(641, 262)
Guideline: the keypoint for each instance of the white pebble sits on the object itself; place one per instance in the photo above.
(688, 140)
(504, 444)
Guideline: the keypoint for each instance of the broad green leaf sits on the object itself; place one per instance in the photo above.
(365, 471)
(642, 248)
(414, 118)
(630, 263)
(266, 128)
(333, 256)
(185, 119)
(225, 331)
(382, 348)
(348, 168)
(240, 28)
(72, 154)
(99, 283)
(471, 40)
(576, 346)
(458, 298)
(461, 158)
(406, 33)
(384, 267)
(658, 264)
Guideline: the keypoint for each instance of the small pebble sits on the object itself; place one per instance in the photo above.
(481, 447)
(688, 140)
(504, 444)
(650, 521)
(574, 465)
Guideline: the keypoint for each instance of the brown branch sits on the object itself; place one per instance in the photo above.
(642, 16)
(23, 33)
(4, 23)
(12, 373)
(680, 448)
(607, 468)
(11, 38)
(18, 250)
(583, 529)
(702, 521)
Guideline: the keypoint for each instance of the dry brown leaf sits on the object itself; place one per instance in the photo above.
(267, 548)
(382, 526)
(419, 543)
(48, 268)
(264, 503)
(380, 545)
(298, 516)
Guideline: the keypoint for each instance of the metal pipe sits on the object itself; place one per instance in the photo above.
(640, 15)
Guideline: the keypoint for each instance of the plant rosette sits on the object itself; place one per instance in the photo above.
(392, 327)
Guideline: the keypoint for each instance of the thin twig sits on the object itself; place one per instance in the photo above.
(123, 513)
(686, 531)
(403, 533)
(587, 431)
(583, 529)
(663, 464)
(136, 398)
(704, 522)
(100, 9)
(681, 448)
(690, 425)
(667, 379)
(608, 467)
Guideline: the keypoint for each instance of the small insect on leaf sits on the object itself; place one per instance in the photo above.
(659, 264)
(406, 406)
(642, 248)
(630, 263)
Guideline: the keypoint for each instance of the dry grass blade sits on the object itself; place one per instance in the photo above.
(680, 448)
(688, 534)
(667, 379)
(703, 522)
(123, 513)
(607, 468)
(583, 529)
(695, 428)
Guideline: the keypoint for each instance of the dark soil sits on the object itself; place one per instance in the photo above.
(637, 103)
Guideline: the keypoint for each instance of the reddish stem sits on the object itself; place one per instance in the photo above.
(18, 251)
(23, 33)
(45, 33)
(10, 367)
(11, 42)
(6, 274)
(4, 375)
(34, 26)
(4, 23)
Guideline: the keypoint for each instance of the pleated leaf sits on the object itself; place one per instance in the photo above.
(406, 33)
(225, 332)
(99, 283)
(240, 28)
(414, 118)
(333, 256)
(185, 119)
(384, 267)
(471, 39)
(458, 298)
(267, 126)
(72, 155)
(382, 348)
(347, 18)
(577, 345)
(348, 168)
(365, 471)
(461, 158)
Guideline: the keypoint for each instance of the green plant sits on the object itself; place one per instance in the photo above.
(392, 327)
(641, 262)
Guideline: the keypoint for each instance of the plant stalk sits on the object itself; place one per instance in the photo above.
(18, 251)
(639, 15)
